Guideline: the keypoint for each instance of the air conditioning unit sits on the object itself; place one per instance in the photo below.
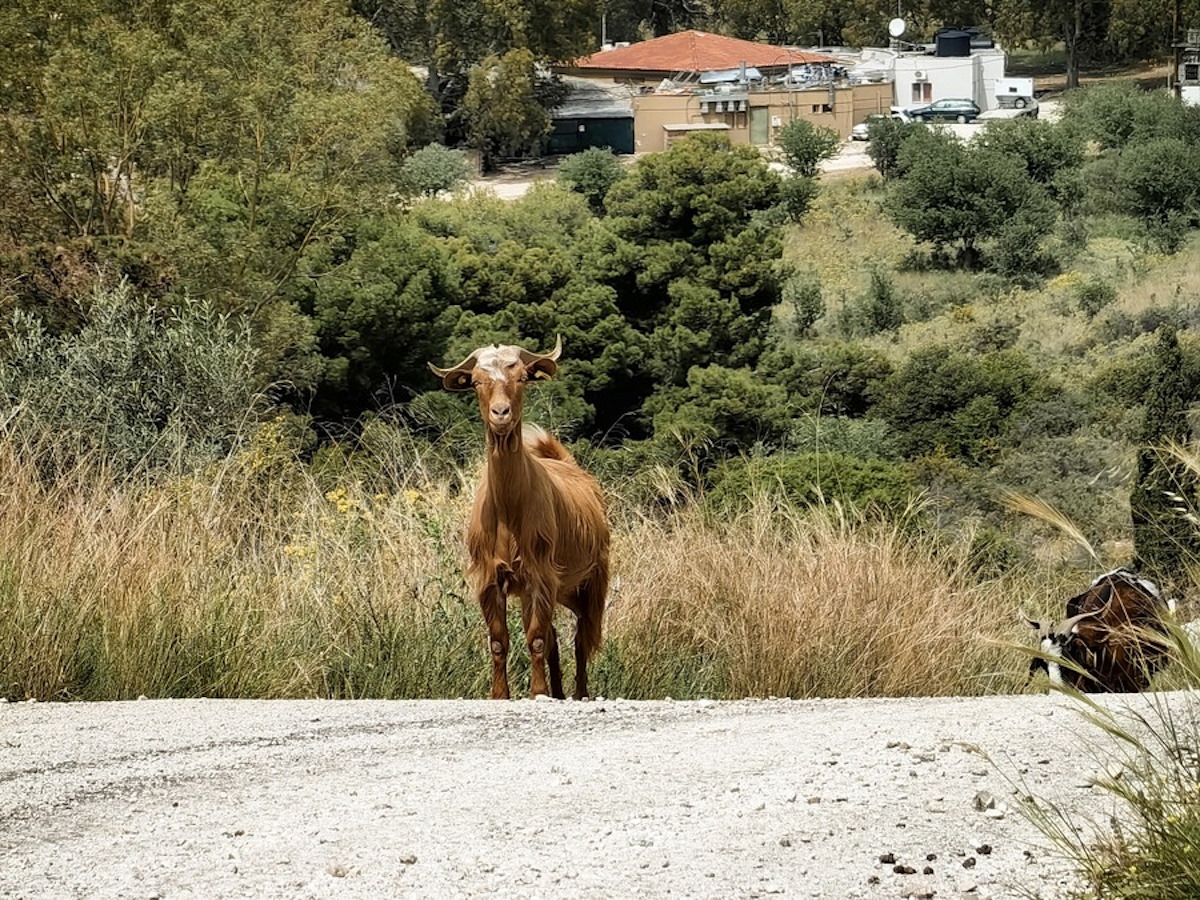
(919, 75)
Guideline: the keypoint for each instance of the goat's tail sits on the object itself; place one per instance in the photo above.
(542, 443)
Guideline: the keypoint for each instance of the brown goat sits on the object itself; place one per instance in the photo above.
(538, 528)
(1113, 639)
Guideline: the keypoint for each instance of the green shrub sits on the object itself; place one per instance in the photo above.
(953, 195)
(136, 385)
(433, 169)
(1095, 294)
(591, 173)
(806, 145)
(806, 479)
(880, 309)
(886, 137)
(796, 197)
(961, 403)
(828, 378)
(729, 407)
(1117, 113)
(802, 292)
(1160, 180)
(1045, 149)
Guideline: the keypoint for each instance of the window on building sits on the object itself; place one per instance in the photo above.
(922, 92)
(1191, 72)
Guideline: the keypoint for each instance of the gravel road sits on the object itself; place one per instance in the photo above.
(608, 798)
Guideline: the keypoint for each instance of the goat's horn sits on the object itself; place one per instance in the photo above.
(1065, 626)
(528, 356)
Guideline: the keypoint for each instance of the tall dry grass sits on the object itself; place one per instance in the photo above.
(264, 577)
(821, 602)
(249, 580)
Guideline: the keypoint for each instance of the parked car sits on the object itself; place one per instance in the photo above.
(949, 110)
(862, 131)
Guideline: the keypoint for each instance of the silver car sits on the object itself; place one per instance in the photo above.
(861, 131)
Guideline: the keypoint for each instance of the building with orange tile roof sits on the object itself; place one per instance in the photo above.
(688, 52)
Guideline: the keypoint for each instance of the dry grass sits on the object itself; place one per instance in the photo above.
(811, 603)
(255, 580)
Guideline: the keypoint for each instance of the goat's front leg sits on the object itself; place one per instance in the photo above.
(495, 614)
(537, 612)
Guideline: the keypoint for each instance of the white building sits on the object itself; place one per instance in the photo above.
(1189, 68)
(950, 68)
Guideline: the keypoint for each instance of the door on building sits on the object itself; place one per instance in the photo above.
(760, 126)
(574, 135)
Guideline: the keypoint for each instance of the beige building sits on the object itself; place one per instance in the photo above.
(753, 116)
(698, 81)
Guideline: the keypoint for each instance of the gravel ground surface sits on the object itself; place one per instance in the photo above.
(607, 798)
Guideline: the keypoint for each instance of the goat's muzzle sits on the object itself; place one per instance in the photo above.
(501, 420)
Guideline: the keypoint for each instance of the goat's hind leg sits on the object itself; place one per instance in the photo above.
(556, 684)
(589, 610)
(495, 614)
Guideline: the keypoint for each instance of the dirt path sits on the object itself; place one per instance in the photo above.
(472, 798)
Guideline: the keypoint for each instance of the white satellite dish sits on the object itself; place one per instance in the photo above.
(896, 27)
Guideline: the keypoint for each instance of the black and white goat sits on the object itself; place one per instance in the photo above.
(1112, 640)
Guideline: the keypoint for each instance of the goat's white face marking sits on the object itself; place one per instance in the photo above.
(497, 362)
(499, 377)
(1051, 647)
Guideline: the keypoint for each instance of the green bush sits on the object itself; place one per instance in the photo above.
(885, 138)
(1045, 149)
(1160, 182)
(135, 386)
(434, 169)
(1116, 113)
(962, 404)
(1095, 294)
(591, 173)
(730, 408)
(953, 195)
(806, 145)
(811, 478)
(797, 195)
(802, 292)
(828, 378)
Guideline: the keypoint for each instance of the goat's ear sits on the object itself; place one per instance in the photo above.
(542, 369)
(1034, 624)
(542, 366)
(453, 379)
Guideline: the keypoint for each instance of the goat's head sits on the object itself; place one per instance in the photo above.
(498, 375)
(1053, 638)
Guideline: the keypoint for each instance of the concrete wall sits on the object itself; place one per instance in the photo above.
(849, 106)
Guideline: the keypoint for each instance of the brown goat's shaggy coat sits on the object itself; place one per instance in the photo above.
(1113, 639)
(538, 528)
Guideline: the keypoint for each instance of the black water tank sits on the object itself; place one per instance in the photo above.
(952, 42)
